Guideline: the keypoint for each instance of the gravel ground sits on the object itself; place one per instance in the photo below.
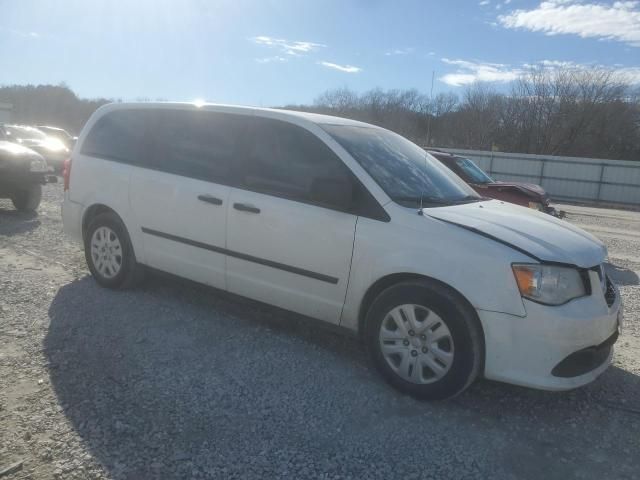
(174, 380)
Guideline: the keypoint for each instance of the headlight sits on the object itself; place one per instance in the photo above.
(549, 284)
(38, 165)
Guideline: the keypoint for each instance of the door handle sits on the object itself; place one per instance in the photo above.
(210, 199)
(243, 207)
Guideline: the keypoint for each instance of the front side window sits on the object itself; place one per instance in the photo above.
(289, 161)
(402, 169)
(471, 171)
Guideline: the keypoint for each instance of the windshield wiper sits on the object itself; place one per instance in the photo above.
(468, 199)
(422, 200)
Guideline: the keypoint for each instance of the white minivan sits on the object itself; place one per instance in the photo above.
(348, 223)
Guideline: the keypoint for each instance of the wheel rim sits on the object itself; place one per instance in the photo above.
(416, 343)
(106, 252)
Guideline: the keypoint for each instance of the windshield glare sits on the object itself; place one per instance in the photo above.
(24, 133)
(402, 169)
(472, 171)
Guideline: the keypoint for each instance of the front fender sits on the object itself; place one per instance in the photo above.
(477, 267)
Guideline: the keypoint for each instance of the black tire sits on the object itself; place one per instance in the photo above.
(458, 316)
(130, 272)
(27, 199)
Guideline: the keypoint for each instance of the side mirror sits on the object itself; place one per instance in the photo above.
(334, 192)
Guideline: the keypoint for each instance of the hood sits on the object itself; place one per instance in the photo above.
(48, 148)
(530, 189)
(50, 151)
(13, 154)
(10, 148)
(542, 236)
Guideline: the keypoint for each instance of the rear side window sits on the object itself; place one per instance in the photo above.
(191, 143)
(197, 144)
(284, 160)
(118, 136)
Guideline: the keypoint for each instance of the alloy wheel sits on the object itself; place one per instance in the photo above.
(106, 252)
(416, 343)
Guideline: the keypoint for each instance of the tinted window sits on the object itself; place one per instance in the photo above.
(118, 136)
(404, 171)
(191, 143)
(285, 160)
(194, 143)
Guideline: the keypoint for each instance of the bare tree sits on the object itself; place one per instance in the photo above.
(561, 111)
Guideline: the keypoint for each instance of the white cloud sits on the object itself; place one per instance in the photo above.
(273, 59)
(555, 64)
(468, 72)
(619, 20)
(400, 51)
(20, 33)
(484, 2)
(341, 68)
(285, 46)
(620, 72)
(629, 74)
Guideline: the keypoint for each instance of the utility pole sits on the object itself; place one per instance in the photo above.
(433, 75)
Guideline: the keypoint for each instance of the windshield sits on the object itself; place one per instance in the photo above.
(57, 133)
(16, 133)
(402, 169)
(474, 173)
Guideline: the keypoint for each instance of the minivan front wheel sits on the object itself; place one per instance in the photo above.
(109, 253)
(424, 340)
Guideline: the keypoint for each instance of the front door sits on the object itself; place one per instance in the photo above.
(283, 247)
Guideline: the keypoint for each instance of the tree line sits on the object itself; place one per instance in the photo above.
(54, 105)
(572, 112)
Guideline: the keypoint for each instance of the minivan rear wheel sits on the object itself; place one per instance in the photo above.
(109, 254)
(424, 340)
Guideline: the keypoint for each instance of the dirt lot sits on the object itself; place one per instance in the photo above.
(174, 380)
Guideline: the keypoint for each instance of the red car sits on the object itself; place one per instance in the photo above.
(525, 194)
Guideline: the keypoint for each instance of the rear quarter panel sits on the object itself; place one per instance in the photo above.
(95, 181)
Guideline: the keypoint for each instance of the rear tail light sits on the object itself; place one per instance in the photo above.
(66, 173)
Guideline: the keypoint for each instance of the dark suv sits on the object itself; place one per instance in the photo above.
(52, 149)
(22, 174)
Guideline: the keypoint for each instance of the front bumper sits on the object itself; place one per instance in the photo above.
(526, 350)
(56, 161)
(10, 179)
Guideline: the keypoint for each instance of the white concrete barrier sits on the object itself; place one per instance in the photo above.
(565, 178)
